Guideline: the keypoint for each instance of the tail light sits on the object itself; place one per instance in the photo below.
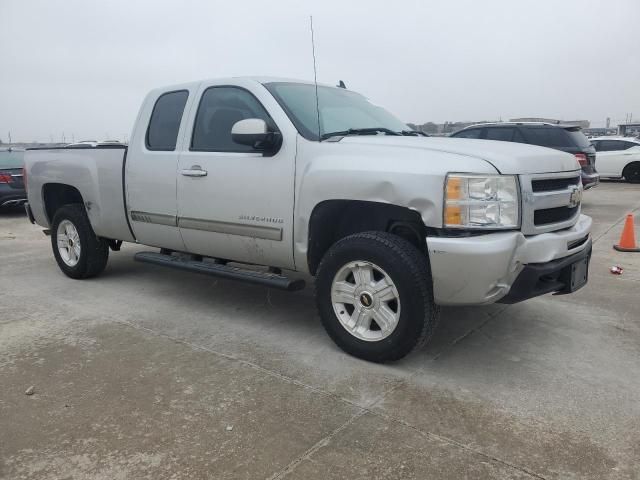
(582, 159)
(5, 178)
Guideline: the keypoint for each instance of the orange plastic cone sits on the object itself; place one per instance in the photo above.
(628, 237)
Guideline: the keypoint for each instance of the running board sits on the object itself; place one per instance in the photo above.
(223, 271)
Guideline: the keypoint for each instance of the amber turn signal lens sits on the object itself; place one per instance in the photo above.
(454, 188)
(453, 215)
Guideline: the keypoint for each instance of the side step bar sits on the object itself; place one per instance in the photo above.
(223, 271)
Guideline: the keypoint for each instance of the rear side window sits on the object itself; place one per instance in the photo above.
(470, 133)
(579, 138)
(502, 134)
(164, 124)
(550, 137)
(220, 108)
(613, 145)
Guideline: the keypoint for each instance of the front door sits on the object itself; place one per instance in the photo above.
(233, 202)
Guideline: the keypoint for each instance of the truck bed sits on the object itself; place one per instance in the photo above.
(97, 174)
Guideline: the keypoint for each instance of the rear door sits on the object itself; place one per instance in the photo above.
(233, 202)
(151, 165)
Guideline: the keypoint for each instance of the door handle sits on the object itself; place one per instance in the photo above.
(194, 171)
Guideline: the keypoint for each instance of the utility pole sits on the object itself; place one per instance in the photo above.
(9, 137)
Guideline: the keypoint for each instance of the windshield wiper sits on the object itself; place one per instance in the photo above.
(413, 133)
(360, 131)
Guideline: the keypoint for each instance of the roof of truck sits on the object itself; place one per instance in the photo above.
(231, 80)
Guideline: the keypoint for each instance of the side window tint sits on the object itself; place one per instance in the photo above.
(549, 137)
(596, 145)
(626, 145)
(517, 137)
(471, 133)
(502, 134)
(611, 145)
(164, 124)
(220, 108)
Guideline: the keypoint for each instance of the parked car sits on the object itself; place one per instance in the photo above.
(618, 157)
(567, 138)
(12, 193)
(250, 171)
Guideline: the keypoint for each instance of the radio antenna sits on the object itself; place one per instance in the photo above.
(315, 77)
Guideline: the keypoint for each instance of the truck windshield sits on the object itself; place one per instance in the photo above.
(340, 110)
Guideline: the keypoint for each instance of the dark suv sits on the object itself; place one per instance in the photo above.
(567, 138)
(12, 192)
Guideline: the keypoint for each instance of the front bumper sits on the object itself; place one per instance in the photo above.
(482, 269)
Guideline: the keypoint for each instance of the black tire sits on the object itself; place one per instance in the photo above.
(94, 251)
(631, 172)
(410, 272)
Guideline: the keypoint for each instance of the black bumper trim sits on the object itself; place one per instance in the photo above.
(540, 278)
(29, 213)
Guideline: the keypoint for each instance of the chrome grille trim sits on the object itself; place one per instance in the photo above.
(532, 201)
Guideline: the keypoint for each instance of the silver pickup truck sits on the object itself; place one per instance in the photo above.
(256, 179)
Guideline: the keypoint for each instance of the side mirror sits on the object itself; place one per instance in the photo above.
(255, 133)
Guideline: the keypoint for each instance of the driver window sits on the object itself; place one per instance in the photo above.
(220, 108)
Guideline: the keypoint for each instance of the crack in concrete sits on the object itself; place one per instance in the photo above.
(362, 410)
(451, 441)
(317, 446)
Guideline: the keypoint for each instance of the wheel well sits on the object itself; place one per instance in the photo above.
(335, 219)
(55, 195)
(629, 165)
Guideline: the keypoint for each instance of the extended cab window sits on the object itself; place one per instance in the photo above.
(220, 108)
(164, 124)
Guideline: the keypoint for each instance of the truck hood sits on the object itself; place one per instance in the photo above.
(506, 157)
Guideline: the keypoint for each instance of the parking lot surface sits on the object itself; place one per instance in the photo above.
(145, 372)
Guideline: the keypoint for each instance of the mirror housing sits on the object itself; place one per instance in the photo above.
(256, 133)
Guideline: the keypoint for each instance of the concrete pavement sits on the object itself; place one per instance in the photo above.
(149, 373)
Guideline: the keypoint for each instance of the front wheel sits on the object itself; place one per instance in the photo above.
(632, 172)
(375, 296)
(77, 249)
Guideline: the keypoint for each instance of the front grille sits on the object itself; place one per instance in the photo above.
(554, 215)
(553, 184)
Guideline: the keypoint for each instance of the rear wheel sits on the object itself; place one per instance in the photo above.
(375, 296)
(77, 249)
(632, 172)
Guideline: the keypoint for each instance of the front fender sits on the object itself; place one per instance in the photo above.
(409, 178)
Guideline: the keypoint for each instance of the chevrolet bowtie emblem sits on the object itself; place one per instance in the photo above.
(575, 197)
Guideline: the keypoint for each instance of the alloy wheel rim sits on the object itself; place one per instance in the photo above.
(68, 241)
(365, 300)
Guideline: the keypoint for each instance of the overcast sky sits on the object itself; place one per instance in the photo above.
(82, 67)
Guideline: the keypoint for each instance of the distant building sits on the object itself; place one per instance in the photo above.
(599, 132)
(631, 129)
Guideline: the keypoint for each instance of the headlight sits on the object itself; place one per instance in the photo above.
(481, 201)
